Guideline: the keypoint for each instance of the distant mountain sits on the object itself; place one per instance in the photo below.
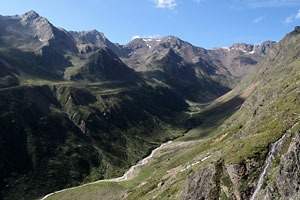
(142, 52)
(240, 58)
(49, 52)
(90, 40)
(170, 59)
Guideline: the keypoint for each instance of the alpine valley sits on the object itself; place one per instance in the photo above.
(84, 118)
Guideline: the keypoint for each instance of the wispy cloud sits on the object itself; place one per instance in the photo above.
(298, 15)
(257, 20)
(197, 1)
(271, 3)
(146, 36)
(170, 4)
(292, 18)
(289, 19)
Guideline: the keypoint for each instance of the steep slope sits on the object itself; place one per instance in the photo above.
(8, 76)
(93, 39)
(168, 61)
(35, 48)
(30, 32)
(102, 65)
(241, 58)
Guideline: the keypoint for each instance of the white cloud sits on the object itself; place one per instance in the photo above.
(155, 36)
(292, 18)
(289, 19)
(198, 1)
(257, 20)
(135, 37)
(298, 15)
(171, 4)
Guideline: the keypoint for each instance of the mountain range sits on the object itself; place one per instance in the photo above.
(76, 107)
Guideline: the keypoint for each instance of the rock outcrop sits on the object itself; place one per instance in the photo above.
(200, 184)
(283, 181)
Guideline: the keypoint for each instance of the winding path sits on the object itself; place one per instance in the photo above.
(130, 174)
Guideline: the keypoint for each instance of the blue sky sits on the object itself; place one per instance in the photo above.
(204, 23)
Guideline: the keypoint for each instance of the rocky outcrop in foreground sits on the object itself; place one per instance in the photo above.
(220, 181)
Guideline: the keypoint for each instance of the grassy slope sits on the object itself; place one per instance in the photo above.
(35, 136)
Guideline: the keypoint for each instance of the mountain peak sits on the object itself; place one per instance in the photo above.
(249, 48)
(89, 33)
(296, 30)
(30, 15)
(171, 37)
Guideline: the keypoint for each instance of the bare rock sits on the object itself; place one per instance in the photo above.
(288, 181)
(200, 184)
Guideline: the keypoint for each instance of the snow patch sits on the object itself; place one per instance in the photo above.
(226, 48)
(194, 163)
(148, 40)
(243, 50)
(252, 52)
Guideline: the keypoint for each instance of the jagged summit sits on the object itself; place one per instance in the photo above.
(30, 15)
(296, 30)
(93, 32)
(249, 48)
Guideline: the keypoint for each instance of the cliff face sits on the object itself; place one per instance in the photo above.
(282, 182)
(200, 184)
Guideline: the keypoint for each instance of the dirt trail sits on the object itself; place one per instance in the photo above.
(130, 174)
